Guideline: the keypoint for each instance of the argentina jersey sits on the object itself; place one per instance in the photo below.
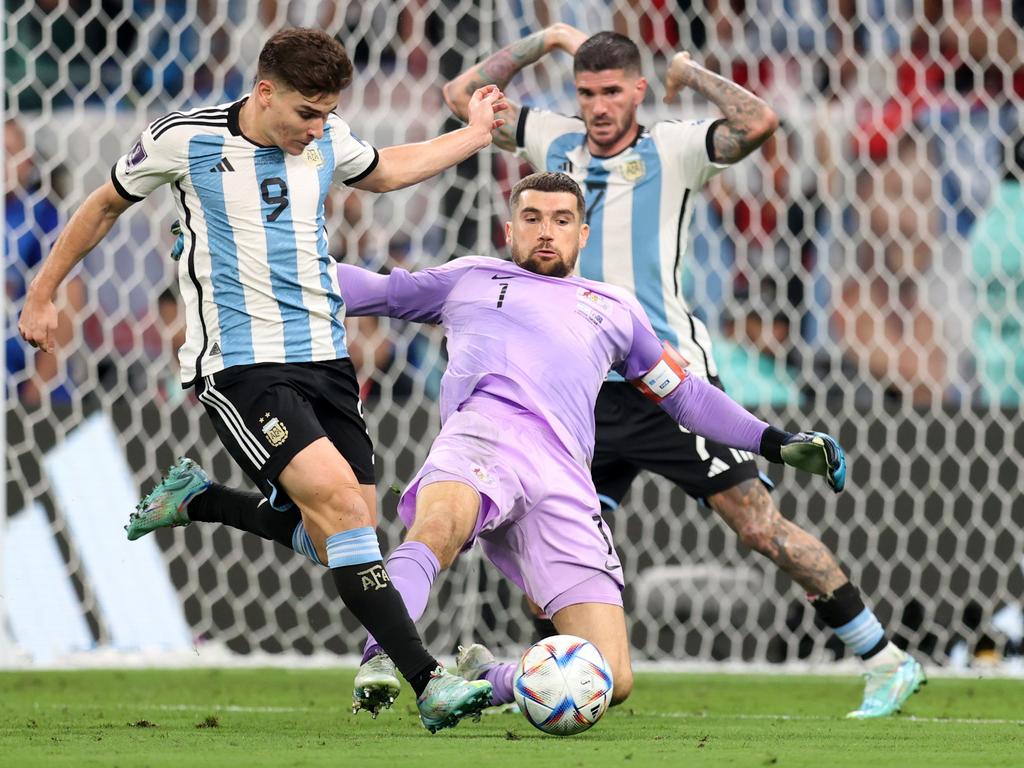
(639, 206)
(256, 279)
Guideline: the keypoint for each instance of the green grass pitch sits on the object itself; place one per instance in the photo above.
(275, 717)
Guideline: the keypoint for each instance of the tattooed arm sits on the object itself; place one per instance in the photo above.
(748, 120)
(502, 67)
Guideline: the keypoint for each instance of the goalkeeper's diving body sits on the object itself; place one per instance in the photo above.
(529, 347)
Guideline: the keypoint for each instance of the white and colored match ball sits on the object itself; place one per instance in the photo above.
(563, 685)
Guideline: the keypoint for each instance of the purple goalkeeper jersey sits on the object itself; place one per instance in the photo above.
(543, 343)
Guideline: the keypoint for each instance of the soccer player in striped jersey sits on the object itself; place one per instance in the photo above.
(639, 183)
(265, 340)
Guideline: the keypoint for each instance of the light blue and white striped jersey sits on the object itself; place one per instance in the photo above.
(639, 206)
(256, 279)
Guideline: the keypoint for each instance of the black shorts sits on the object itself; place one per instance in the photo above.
(634, 433)
(267, 412)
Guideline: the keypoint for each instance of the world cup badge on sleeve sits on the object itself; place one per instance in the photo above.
(135, 156)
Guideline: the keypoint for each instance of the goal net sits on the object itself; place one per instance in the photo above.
(860, 273)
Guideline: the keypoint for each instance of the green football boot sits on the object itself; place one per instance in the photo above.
(449, 698)
(165, 505)
(376, 685)
(887, 687)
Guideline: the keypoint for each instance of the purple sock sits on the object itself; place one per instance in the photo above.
(500, 678)
(412, 568)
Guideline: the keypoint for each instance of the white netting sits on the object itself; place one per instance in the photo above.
(862, 272)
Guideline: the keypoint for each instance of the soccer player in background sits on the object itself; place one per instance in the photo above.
(265, 340)
(529, 346)
(638, 183)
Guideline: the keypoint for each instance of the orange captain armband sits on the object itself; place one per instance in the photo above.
(665, 376)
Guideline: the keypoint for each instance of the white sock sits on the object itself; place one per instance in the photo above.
(888, 656)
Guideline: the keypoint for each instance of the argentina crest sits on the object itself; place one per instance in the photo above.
(633, 168)
(274, 429)
(313, 156)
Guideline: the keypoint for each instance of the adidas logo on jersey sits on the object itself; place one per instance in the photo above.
(215, 349)
(222, 167)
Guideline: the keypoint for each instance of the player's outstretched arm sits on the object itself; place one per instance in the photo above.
(659, 372)
(408, 164)
(502, 66)
(706, 410)
(89, 224)
(749, 121)
(416, 296)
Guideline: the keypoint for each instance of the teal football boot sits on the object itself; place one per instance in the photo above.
(165, 505)
(888, 687)
(447, 699)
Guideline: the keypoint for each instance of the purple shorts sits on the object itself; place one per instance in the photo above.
(540, 521)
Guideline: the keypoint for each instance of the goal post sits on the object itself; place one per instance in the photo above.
(856, 274)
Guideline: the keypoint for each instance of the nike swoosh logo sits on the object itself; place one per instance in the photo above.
(504, 277)
(611, 566)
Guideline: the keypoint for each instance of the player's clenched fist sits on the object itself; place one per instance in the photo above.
(38, 323)
(563, 36)
(677, 76)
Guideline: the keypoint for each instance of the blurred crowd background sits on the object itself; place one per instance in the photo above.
(868, 250)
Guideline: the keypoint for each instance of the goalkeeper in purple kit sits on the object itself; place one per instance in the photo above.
(529, 347)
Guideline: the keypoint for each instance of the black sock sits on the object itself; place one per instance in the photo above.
(419, 681)
(842, 607)
(367, 591)
(876, 648)
(245, 510)
(839, 608)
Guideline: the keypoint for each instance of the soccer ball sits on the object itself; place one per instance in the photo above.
(563, 685)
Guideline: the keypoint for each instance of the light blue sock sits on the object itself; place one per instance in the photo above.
(353, 547)
(302, 544)
(861, 634)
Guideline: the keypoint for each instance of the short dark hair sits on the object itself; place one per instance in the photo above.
(305, 60)
(607, 50)
(549, 181)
